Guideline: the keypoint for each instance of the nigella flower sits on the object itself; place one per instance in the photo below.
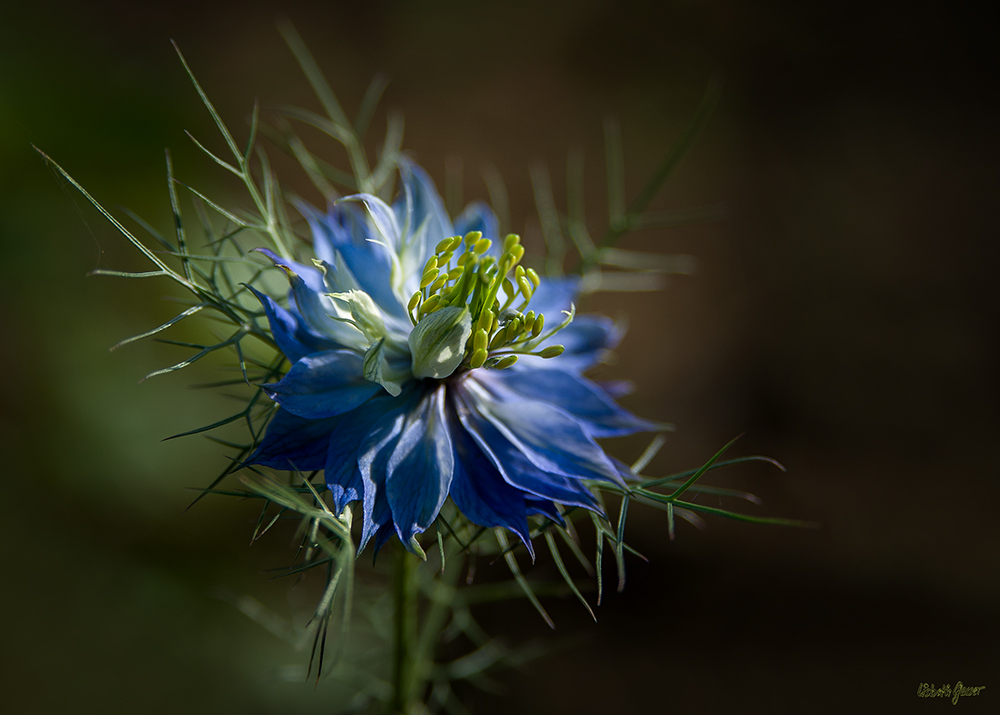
(424, 366)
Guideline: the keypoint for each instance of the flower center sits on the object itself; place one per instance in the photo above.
(467, 279)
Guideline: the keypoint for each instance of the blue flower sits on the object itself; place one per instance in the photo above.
(418, 372)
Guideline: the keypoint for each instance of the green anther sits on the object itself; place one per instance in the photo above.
(445, 258)
(486, 264)
(463, 258)
(472, 237)
(496, 322)
(517, 253)
(494, 282)
(537, 326)
(431, 264)
(529, 321)
(439, 283)
(430, 304)
(518, 273)
(454, 273)
(525, 286)
(510, 333)
(512, 240)
(551, 351)
(414, 301)
(429, 277)
(482, 246)
(479, 340)
(505, 362)
(444, 245)
(499, 339)
(460, 291)
(485, 321)
(533, 277)
(509, 288)
(478, 358)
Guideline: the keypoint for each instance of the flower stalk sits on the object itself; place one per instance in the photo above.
(405, 665)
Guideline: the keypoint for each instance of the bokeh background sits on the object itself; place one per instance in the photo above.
(844, 317)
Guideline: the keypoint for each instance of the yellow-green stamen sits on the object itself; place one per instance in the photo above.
(461, 274)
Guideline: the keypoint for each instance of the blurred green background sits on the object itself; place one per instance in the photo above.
(843, 317)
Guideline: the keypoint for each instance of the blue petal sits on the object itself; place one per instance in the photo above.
(345, 235)
(616, 389)
(478, 216)
(373, 456)
(544, 507)
(420, 204)
(316, 312)
(308, 288)
(586, 340)
(294, 443)
(323, 385)
(515, 467)
(548, 436)
(293, 336)
(322, 227)
(387, 225)
(384, 533)
(312, 276)
(554, 295)
(577, 395)
(480, 492)
(343, 476)
(420, 470)
(624, 471)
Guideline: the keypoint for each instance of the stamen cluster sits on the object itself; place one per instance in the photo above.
(470, 278)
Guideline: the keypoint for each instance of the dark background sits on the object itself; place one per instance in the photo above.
(843, 317)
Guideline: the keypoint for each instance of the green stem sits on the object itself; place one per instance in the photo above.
(441, 598)
(677, 152)
(405, 637)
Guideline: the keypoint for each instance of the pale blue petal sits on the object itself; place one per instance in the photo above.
(388, 228)
(553, 296)
(419, 204)
(345, 237)
(478, 216)
(322, 228)
(616, 389)
(586, 340)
